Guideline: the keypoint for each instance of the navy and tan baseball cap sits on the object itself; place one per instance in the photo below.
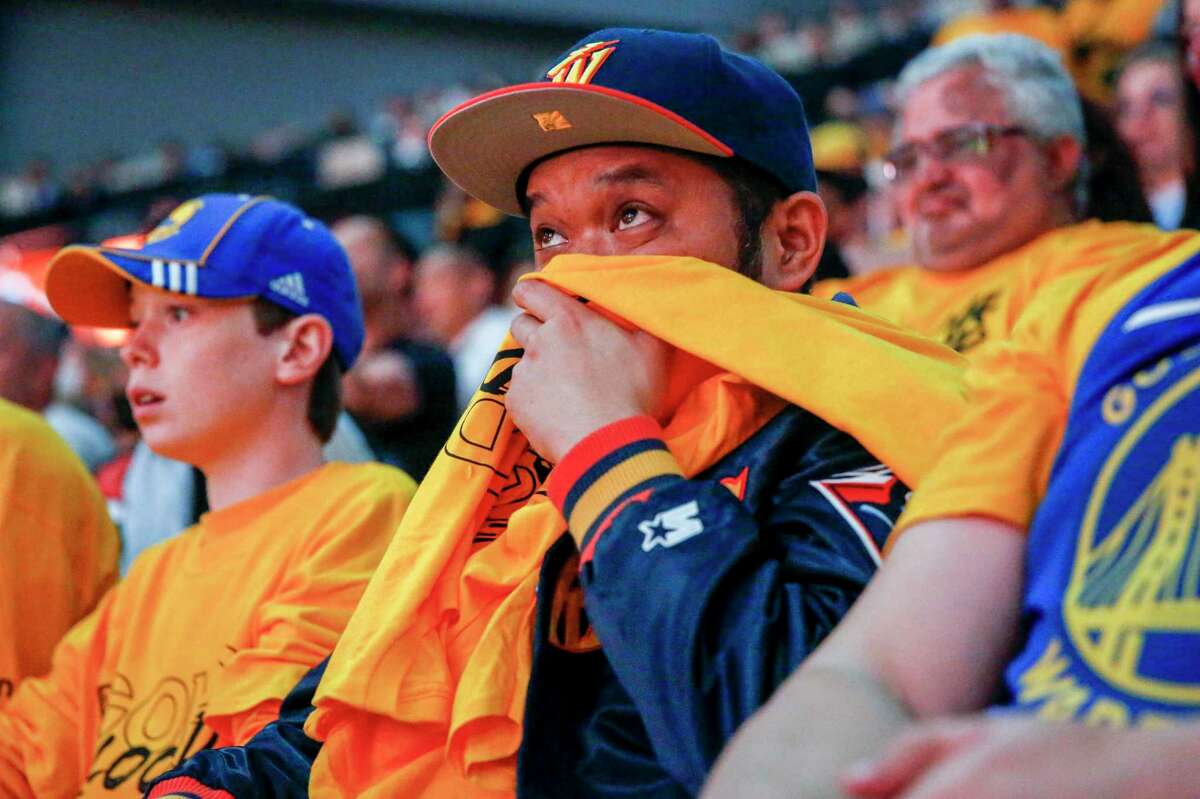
(628, 86)
(218, 246)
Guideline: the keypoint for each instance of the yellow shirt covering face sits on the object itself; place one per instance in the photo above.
(58, 548)
(965, 309)
(205, 636)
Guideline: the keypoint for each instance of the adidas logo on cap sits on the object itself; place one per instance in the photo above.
(290, 286)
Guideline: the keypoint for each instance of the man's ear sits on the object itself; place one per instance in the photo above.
(305, 344)
(798, 223)
(1063, 157)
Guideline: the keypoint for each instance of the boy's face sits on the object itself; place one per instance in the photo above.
(201, 377)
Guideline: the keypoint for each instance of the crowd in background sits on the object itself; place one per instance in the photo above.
(435, 266)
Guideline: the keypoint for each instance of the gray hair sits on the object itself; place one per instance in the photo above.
(1038, 92)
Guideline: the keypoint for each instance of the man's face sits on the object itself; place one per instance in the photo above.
(961, 212)
(200, 374)
(448, 295)
(630, 200)
(1150, 116)
(368, 261)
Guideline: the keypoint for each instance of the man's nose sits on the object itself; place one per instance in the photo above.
(930, 170)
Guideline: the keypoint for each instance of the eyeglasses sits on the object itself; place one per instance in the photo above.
(964, 144)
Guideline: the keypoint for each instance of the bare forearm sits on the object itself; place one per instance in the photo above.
(775, 755)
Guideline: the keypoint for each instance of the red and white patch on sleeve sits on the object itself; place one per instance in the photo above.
(869, 500)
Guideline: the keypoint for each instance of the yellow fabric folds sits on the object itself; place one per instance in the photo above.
(425, 692)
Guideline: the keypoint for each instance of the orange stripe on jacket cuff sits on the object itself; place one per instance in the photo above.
(187, 788)
(592, 449)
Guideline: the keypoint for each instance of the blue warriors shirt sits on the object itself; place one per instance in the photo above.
(1084, 428)
(1113, 560)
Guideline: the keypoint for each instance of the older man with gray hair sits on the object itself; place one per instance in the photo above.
(1047, 571)
(989, 175)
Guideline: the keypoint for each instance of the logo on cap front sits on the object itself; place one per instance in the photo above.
(551, 121)
(580, 66)
(177, 219)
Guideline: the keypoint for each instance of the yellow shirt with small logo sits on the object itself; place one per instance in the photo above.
(964, 309)
(204, 637)
(997, 457)
(58, 548)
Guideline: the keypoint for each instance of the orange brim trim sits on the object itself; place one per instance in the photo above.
(85, 288)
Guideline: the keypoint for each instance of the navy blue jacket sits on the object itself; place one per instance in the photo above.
(706, 594)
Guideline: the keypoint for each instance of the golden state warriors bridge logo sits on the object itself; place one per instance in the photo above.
(1132, 608)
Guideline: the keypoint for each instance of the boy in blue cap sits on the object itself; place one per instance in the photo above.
(243, 314)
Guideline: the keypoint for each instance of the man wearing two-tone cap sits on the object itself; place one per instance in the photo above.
(242, 313)
(726, 455)
(704, 580)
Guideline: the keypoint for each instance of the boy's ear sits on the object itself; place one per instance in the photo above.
(305, 344)
(798, 223)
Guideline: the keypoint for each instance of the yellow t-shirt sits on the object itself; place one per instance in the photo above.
(58, 548)
(997, 457)
(1037, 23)
(964, 309)
(205, 636)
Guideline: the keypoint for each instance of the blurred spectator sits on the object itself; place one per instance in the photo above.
(30, 349)
(401, 129)
(58, 549)
(1101, 32)
(33, 191)
(851, 31)
(401, 391)
(1189, 42)
(1114, 192)
(855, 244)
(167, 163)
(455, 290)
(1007, 16)
(781, 46)
(469, 222)
(1151, 120)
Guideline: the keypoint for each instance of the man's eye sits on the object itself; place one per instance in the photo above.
(631, 217)
(966, 142)
(547, 237)
(178, 313)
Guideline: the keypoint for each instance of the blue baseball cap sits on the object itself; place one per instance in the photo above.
(218, 246)
(628, 86)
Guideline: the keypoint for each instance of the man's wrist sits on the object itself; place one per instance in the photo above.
(606, 465)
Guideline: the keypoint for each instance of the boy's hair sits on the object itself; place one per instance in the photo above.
(325, 398)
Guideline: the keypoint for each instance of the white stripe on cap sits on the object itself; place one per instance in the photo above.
(190, 278)
(174, 276)
(156, 273)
